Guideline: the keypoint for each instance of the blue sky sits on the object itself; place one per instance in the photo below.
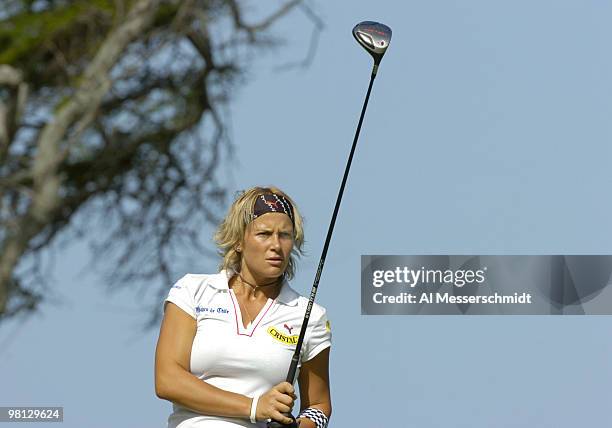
(488, 132)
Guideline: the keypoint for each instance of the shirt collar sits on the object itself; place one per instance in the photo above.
(287, 295)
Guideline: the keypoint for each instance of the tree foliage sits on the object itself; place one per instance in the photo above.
(115, 109)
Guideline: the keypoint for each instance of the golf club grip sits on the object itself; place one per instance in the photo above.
(275, 424)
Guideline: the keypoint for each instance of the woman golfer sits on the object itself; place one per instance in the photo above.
(227, 339)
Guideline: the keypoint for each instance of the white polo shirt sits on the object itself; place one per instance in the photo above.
(243, 360)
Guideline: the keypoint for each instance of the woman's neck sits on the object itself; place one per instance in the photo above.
(255, 288)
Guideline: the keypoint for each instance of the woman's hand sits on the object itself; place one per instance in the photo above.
(275, 402)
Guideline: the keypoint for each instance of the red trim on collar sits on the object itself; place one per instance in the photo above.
(253, 327)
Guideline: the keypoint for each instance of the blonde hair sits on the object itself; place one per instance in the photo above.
(231, 230)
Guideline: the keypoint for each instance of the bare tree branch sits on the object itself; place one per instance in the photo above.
(9, 76)
(115, 113)
(317, 28)
(46, 182)
(11, 108)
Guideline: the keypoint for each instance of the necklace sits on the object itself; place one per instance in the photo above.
(254, 287)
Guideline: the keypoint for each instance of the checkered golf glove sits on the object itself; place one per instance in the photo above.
(315, 415)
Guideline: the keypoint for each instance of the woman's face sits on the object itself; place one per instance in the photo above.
(267, 245)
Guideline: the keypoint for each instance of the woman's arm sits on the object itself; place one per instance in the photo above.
(314, 386)
(175, 382)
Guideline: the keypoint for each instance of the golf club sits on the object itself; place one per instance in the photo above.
(375, 38)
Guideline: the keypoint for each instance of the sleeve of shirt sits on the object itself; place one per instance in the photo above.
(182, 296)
(319, 337)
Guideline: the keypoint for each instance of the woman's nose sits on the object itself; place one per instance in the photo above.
(275, 240)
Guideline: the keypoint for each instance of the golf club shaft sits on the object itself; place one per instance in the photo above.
(313, 292)
(330, 231)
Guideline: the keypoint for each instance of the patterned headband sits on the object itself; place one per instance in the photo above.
(272, 203)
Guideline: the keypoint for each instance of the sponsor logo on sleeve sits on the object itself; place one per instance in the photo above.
(211, 310)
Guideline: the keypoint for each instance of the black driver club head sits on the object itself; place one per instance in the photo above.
(374, 37)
